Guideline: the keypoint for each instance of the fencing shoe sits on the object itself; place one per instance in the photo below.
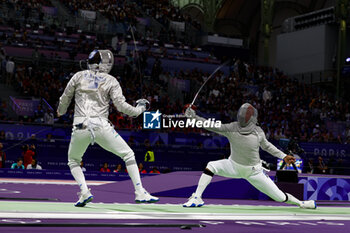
(142, 196)
(84, 198)
(308, 205)
(194, 201)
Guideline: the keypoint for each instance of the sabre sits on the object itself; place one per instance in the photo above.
(216, 70)
(136, 53)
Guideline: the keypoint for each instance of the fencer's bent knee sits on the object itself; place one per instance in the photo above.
(72, 163)
(129, 158)
(208, 172)
(210, 167)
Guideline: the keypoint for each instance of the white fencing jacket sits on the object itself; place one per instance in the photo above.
(93, 92)
(245, 147)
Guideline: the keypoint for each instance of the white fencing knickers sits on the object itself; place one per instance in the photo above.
(104, 135)
(253, 174)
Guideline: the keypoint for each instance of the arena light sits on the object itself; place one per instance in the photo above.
(347, 61)
(312, 19)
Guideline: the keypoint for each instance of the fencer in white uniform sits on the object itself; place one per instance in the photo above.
(245, 139)
(93, 89)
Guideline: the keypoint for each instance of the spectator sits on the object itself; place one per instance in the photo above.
(105, 168)
(32, 137)
(49, 117)
(28, 155)
(118, 168)
(267, 95)
(18, 164)
(10, 68)
(310, 168)
(33, 148)
(2, 135)
(34, 165)
(155, 171)
(39, 115)
(82, 166)
(2, 156)
(131, 141)
(24, 149)
(2, 64)
(141, 169)
(149, 156)
(321, 167)
(36, 55)
(49, 138)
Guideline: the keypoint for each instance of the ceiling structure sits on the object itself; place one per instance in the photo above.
(242, 18)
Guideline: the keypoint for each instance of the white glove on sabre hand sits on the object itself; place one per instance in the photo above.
(143, 103)
(190, 113)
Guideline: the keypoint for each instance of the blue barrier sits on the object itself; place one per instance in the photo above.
(177, 151)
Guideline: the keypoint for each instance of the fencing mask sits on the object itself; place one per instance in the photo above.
(247, 118)
(101, 61)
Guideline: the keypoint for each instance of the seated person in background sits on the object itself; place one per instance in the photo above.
(82, 166)
(155, 171)
(105, 168)
(34, 165)
(141, 169)
(118, 168)
(18, 164)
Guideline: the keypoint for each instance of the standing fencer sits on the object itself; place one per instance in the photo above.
(93, 89)
(245, 139)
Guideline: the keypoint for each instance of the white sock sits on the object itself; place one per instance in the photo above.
(202, 184)
(293, 200)
(79, 178)
(134, 174)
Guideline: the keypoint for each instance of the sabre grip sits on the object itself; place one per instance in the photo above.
(143, 103)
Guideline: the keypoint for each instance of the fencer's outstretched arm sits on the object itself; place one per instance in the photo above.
(224, 129)
(67, 96)
(119, 101)
(268, 146)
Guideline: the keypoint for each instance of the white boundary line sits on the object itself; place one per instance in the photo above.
(96, 204)
(174, 216)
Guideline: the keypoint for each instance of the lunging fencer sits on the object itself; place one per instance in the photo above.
(93, 89)
(245, 139)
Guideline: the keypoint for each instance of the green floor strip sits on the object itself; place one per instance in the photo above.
(13, 206)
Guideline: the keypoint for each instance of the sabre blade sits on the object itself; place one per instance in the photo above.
(210, 76)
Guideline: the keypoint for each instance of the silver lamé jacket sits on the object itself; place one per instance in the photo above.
(93, 92)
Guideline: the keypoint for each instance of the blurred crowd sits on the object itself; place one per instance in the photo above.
(116, 11)
(128, 11)
(287, 108)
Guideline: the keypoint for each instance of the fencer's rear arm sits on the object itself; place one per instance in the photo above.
(119, 101)
(67, 96)
(268, 146)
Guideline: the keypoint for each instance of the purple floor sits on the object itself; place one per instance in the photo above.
(210, 226)
(122, 192)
